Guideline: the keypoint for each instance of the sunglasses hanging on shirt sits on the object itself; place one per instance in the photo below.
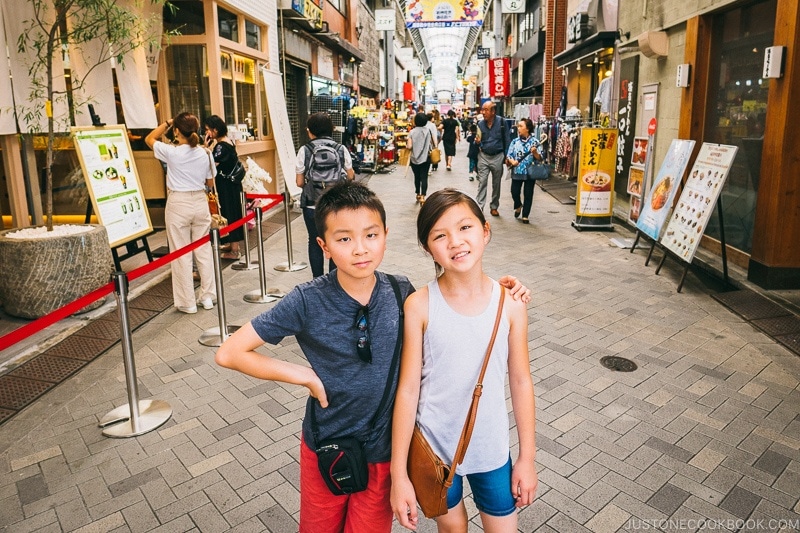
(362, 324)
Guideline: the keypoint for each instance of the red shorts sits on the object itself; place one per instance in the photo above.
(322, 512)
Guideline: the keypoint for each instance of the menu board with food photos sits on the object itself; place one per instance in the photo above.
(698, 199)
(113, 184)
(658, 200)
(636, 176)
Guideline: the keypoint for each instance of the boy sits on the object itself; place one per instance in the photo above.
(472, 153)
(347, 324)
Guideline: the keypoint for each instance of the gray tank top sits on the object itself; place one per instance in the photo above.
(453, 349)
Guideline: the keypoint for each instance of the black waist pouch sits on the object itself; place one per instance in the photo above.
(343, 464)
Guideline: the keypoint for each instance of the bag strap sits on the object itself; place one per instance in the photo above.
(213, 174)
(393, 365)
(469, 424)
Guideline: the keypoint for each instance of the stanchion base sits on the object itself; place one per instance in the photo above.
(252, 265)
(211, 337)
(290, 267)
(277, 293)
(255, 297)
(152, 414)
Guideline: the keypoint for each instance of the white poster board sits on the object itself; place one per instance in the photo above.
(698, 199)
(112, 181)
(281, 130)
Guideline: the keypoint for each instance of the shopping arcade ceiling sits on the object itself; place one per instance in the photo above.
(443, 51)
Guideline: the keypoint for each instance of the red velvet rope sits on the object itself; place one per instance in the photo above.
(71, 308)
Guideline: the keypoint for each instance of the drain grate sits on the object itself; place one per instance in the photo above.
(781, 325)
(790, 341)
(618, 364)
(16, 393)
(750, 305)
(48, 368)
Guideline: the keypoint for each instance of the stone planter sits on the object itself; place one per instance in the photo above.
(39, 275)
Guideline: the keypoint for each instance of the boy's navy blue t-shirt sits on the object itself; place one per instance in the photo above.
(322, 317)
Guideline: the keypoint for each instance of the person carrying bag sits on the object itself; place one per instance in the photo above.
(525, 162)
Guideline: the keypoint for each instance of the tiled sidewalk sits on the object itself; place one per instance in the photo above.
(706, 429)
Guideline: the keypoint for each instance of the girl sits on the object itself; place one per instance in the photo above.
(448, 324)
(522, 153)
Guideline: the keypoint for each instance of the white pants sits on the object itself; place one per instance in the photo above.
(188, 219)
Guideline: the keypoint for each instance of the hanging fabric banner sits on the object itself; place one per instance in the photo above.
(444, 13)
(499, 77)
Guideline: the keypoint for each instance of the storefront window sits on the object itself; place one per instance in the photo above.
(264, 109)
(239, 93)
(252, 33)
(228, 25)
(337, 4)
(737, 112)
(188, 80)
(184, 17)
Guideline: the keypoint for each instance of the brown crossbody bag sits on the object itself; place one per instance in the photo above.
(431, 476)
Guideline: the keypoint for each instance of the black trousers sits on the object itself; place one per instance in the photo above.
(526, 188)
(421, 177)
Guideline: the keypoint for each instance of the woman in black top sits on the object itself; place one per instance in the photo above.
(450, 136)
(230, 200)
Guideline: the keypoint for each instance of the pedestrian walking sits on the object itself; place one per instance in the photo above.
(420, 142)
(492, 141)
(472, 151)
(450, 136)
(523, 153)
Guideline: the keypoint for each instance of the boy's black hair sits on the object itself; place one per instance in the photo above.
(473, 128)
(320, 125)
(345, 195)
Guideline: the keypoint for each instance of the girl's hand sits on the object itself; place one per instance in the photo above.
(404, 502)
(517, 290)
(524, 482)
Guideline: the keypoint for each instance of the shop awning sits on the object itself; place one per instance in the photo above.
(340, 45)
(597, 42)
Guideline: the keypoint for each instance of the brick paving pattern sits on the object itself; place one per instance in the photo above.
(707, 428)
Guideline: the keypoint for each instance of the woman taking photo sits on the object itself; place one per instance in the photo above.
(420, 142)
(229, 188)
(189, 172)
(522, 154)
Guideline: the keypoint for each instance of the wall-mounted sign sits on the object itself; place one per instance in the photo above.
(499, 82)
(385, 19)
(444, 13)
(513, 6)
(313, 13)
(113, 184)
(578, 27)
(483, 53)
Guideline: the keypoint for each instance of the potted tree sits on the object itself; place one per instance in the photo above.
(44, 270)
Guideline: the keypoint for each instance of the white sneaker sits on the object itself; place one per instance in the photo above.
(207, 303)
(188, 310)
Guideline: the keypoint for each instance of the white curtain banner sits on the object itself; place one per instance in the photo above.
(16, 14)
(7, 124)
(134, 91)
(95, 87)
(279, 119)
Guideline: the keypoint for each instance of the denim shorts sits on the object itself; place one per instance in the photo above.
(490, 490)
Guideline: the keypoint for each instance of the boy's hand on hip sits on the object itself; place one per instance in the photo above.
(317, 389)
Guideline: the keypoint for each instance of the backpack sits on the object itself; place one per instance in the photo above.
(324, 167)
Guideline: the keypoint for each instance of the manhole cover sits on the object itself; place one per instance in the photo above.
(618, 364)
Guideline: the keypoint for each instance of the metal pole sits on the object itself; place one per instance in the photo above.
(247, 265)
(216, 336)
(290, 265)
(136, 417)
(260, 297)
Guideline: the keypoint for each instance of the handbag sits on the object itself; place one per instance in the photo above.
(342, 461)
(429, 474)
(538, 172)
(236, 175)
(434, 154)
(217, 220)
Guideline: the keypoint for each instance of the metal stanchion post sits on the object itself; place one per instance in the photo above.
(260, 296)
(216, 336)
(289, 266)
(247, 265)
(137, 416)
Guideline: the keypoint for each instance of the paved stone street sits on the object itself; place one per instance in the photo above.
(707, 428)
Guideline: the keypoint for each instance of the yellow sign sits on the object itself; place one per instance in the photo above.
(313, 13)
(598, 157)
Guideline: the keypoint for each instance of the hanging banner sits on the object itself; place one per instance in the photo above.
(499, 82)
(444, 13)
(112, 181)
(698, 199)
(594, 199)
(626, 111)
(658, 200)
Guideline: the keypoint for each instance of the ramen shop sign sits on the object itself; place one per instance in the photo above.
(499, 77)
